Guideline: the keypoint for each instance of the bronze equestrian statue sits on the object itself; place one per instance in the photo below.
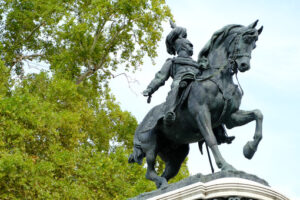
(180, 68)
(203, 100)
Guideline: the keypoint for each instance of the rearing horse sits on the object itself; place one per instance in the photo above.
(213, 100)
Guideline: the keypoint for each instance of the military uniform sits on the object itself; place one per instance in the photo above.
(176, 68)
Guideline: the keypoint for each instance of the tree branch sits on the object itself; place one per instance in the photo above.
(128, 79)
(97, 35)
(103, 59)
(28, 57)
(84, 75)
(32, 32)
(90, 70)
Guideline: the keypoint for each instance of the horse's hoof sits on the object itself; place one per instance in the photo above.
(161, 183)
(249, 150)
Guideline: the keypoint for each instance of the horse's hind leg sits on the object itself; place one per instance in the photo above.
(151, 173)
(173, 160)
(151, 153)
(242, 117)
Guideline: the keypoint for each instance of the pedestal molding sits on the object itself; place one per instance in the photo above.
(224, 187)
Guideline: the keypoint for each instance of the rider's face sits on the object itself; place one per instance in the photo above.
(184, 46)
(188, 46)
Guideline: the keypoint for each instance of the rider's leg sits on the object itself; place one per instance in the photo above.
(173, 160)
(203, 119)
(170, 116)
(242, 117)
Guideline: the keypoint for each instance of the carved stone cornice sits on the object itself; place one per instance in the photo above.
(221, 189)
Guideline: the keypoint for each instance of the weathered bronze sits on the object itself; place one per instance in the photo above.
(203, 100)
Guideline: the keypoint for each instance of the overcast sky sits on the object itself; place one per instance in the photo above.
(272, 84)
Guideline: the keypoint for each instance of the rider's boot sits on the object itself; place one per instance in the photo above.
(221, 135)
(171, 101)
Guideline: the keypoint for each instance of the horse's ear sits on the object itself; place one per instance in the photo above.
(253, 25)
(260, 30)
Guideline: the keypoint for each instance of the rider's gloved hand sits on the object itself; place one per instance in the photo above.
(147, 92)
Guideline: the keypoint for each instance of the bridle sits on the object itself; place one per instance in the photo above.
(232, 59)
(235, 54)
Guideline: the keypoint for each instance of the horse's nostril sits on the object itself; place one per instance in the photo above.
(243, 65)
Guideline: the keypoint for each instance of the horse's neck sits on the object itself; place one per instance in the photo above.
(220, 67)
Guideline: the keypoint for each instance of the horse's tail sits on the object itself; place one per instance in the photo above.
(137, 155)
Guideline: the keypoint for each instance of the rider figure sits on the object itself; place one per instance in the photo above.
(183, 64)
(178, 67)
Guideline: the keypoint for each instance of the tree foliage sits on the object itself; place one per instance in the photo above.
(80, 38)
(62, 133)
(55, 145)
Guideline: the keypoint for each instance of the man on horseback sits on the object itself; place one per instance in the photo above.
(179, 68)
(206, 103)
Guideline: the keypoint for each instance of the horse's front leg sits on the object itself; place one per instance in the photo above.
(203, 119)
(242, 117)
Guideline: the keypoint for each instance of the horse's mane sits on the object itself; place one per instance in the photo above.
(215, 41)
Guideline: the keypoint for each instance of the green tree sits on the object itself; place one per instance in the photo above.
(63, 135)
(80, 38)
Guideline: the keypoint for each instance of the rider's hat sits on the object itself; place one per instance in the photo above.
(176, 33)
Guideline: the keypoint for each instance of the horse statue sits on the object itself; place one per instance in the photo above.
(211, 100)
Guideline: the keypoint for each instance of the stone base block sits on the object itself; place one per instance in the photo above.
(218, 186)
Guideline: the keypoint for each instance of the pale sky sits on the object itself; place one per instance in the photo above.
(272, 84)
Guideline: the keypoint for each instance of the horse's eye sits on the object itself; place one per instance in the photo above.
(248, 39)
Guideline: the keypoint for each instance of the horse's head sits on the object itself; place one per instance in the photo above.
(232, 44)
(240, 45)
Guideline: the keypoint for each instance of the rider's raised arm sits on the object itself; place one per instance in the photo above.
(160, 78)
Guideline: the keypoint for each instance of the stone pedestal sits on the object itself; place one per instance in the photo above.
(218, 186)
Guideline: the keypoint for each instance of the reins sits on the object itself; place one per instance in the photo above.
(242, 91)
(232, 61)
(212, 75)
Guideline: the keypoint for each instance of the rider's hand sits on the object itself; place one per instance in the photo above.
(147, 92)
